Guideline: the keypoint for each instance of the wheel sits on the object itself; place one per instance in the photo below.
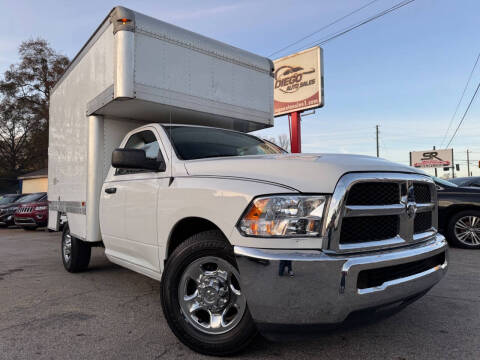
(75, 253)
(464, 229)
(201, 296)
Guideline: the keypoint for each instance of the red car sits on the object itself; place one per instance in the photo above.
(33, 214)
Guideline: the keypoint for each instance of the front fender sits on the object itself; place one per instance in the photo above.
(218, 200)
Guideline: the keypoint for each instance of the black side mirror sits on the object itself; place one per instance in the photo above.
(135, 159)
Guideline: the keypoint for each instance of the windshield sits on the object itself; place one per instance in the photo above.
(31, 197)
(444, 182)
(192, 143)
(7, 199)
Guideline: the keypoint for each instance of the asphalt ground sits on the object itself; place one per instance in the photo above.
(113, 313)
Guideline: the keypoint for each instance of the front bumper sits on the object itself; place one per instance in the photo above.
(33, 220)
(324, 288)
(6, 219)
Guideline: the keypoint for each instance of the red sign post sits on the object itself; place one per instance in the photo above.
(294, 119)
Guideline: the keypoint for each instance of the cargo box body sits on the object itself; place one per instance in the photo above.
(132, 73)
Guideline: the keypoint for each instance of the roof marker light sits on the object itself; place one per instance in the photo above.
(124, 20)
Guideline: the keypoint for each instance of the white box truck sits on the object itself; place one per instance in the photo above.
(149, 157)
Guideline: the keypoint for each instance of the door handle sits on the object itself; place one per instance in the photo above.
(111, 190)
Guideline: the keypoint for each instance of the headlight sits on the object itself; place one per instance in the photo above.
(41, 208)
(283, 215)
(12, 209)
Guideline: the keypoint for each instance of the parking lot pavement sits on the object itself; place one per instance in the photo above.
(112, 313)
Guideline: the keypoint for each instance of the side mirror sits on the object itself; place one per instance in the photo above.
(135, 159)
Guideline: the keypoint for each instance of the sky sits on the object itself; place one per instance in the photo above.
(404, 71)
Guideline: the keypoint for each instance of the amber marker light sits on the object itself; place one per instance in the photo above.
(256, 210)
(124, 20)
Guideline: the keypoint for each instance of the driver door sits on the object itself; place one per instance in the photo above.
(129, 206)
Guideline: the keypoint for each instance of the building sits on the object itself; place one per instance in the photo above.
(36, 181)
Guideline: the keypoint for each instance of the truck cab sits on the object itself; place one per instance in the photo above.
(222, 217)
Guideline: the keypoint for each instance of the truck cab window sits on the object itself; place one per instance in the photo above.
(195, 142)
(144, 140)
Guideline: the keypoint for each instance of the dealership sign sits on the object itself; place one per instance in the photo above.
(431, 158)
(298, 82)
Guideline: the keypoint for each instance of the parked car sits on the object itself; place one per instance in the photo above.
(7, 212)
(7, 208)
(473, 181)
(459, 213)
(33, 214)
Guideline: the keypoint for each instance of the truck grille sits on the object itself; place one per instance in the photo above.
(23, 210)
(423, 222)
(381, 210)
(374, 194)
(371, 228)
(422, 193)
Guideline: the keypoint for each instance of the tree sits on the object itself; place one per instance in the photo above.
(15, 128)
(25, 92)
(282, 140)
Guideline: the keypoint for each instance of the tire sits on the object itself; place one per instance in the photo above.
(466, 223)
(80, 252)
(206, 248)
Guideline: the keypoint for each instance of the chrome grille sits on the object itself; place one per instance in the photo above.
(422, 222)
(379, 210)
(422, 193)
(374, 194)
(23, 210)
(370, 228)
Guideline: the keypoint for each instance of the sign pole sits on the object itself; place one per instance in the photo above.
(468, 163)
(295, 132)
(453, 167)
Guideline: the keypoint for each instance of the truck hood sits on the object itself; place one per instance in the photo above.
(316, 173)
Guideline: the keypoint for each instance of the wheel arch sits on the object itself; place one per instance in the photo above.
(454, 209)
(187, 227)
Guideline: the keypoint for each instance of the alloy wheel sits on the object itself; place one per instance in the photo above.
(467, 230)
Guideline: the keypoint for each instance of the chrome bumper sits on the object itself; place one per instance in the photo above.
(323, 289)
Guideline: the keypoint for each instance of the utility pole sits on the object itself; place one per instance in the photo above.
(378, 147)
(453, 166)
(436, 174)
(468, 163)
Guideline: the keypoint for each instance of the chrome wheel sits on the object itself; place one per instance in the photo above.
(210, 296)
(67, 247)
(467, 230)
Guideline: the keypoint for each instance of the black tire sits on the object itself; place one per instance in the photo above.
(451, 234)
(207, 243)
(79, 254)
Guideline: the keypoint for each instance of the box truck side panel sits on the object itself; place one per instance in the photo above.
(204, 74)
(91, 73)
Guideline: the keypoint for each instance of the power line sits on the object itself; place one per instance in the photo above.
(464, 114)
(353, 27)
(460, 101)
(324, 27)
